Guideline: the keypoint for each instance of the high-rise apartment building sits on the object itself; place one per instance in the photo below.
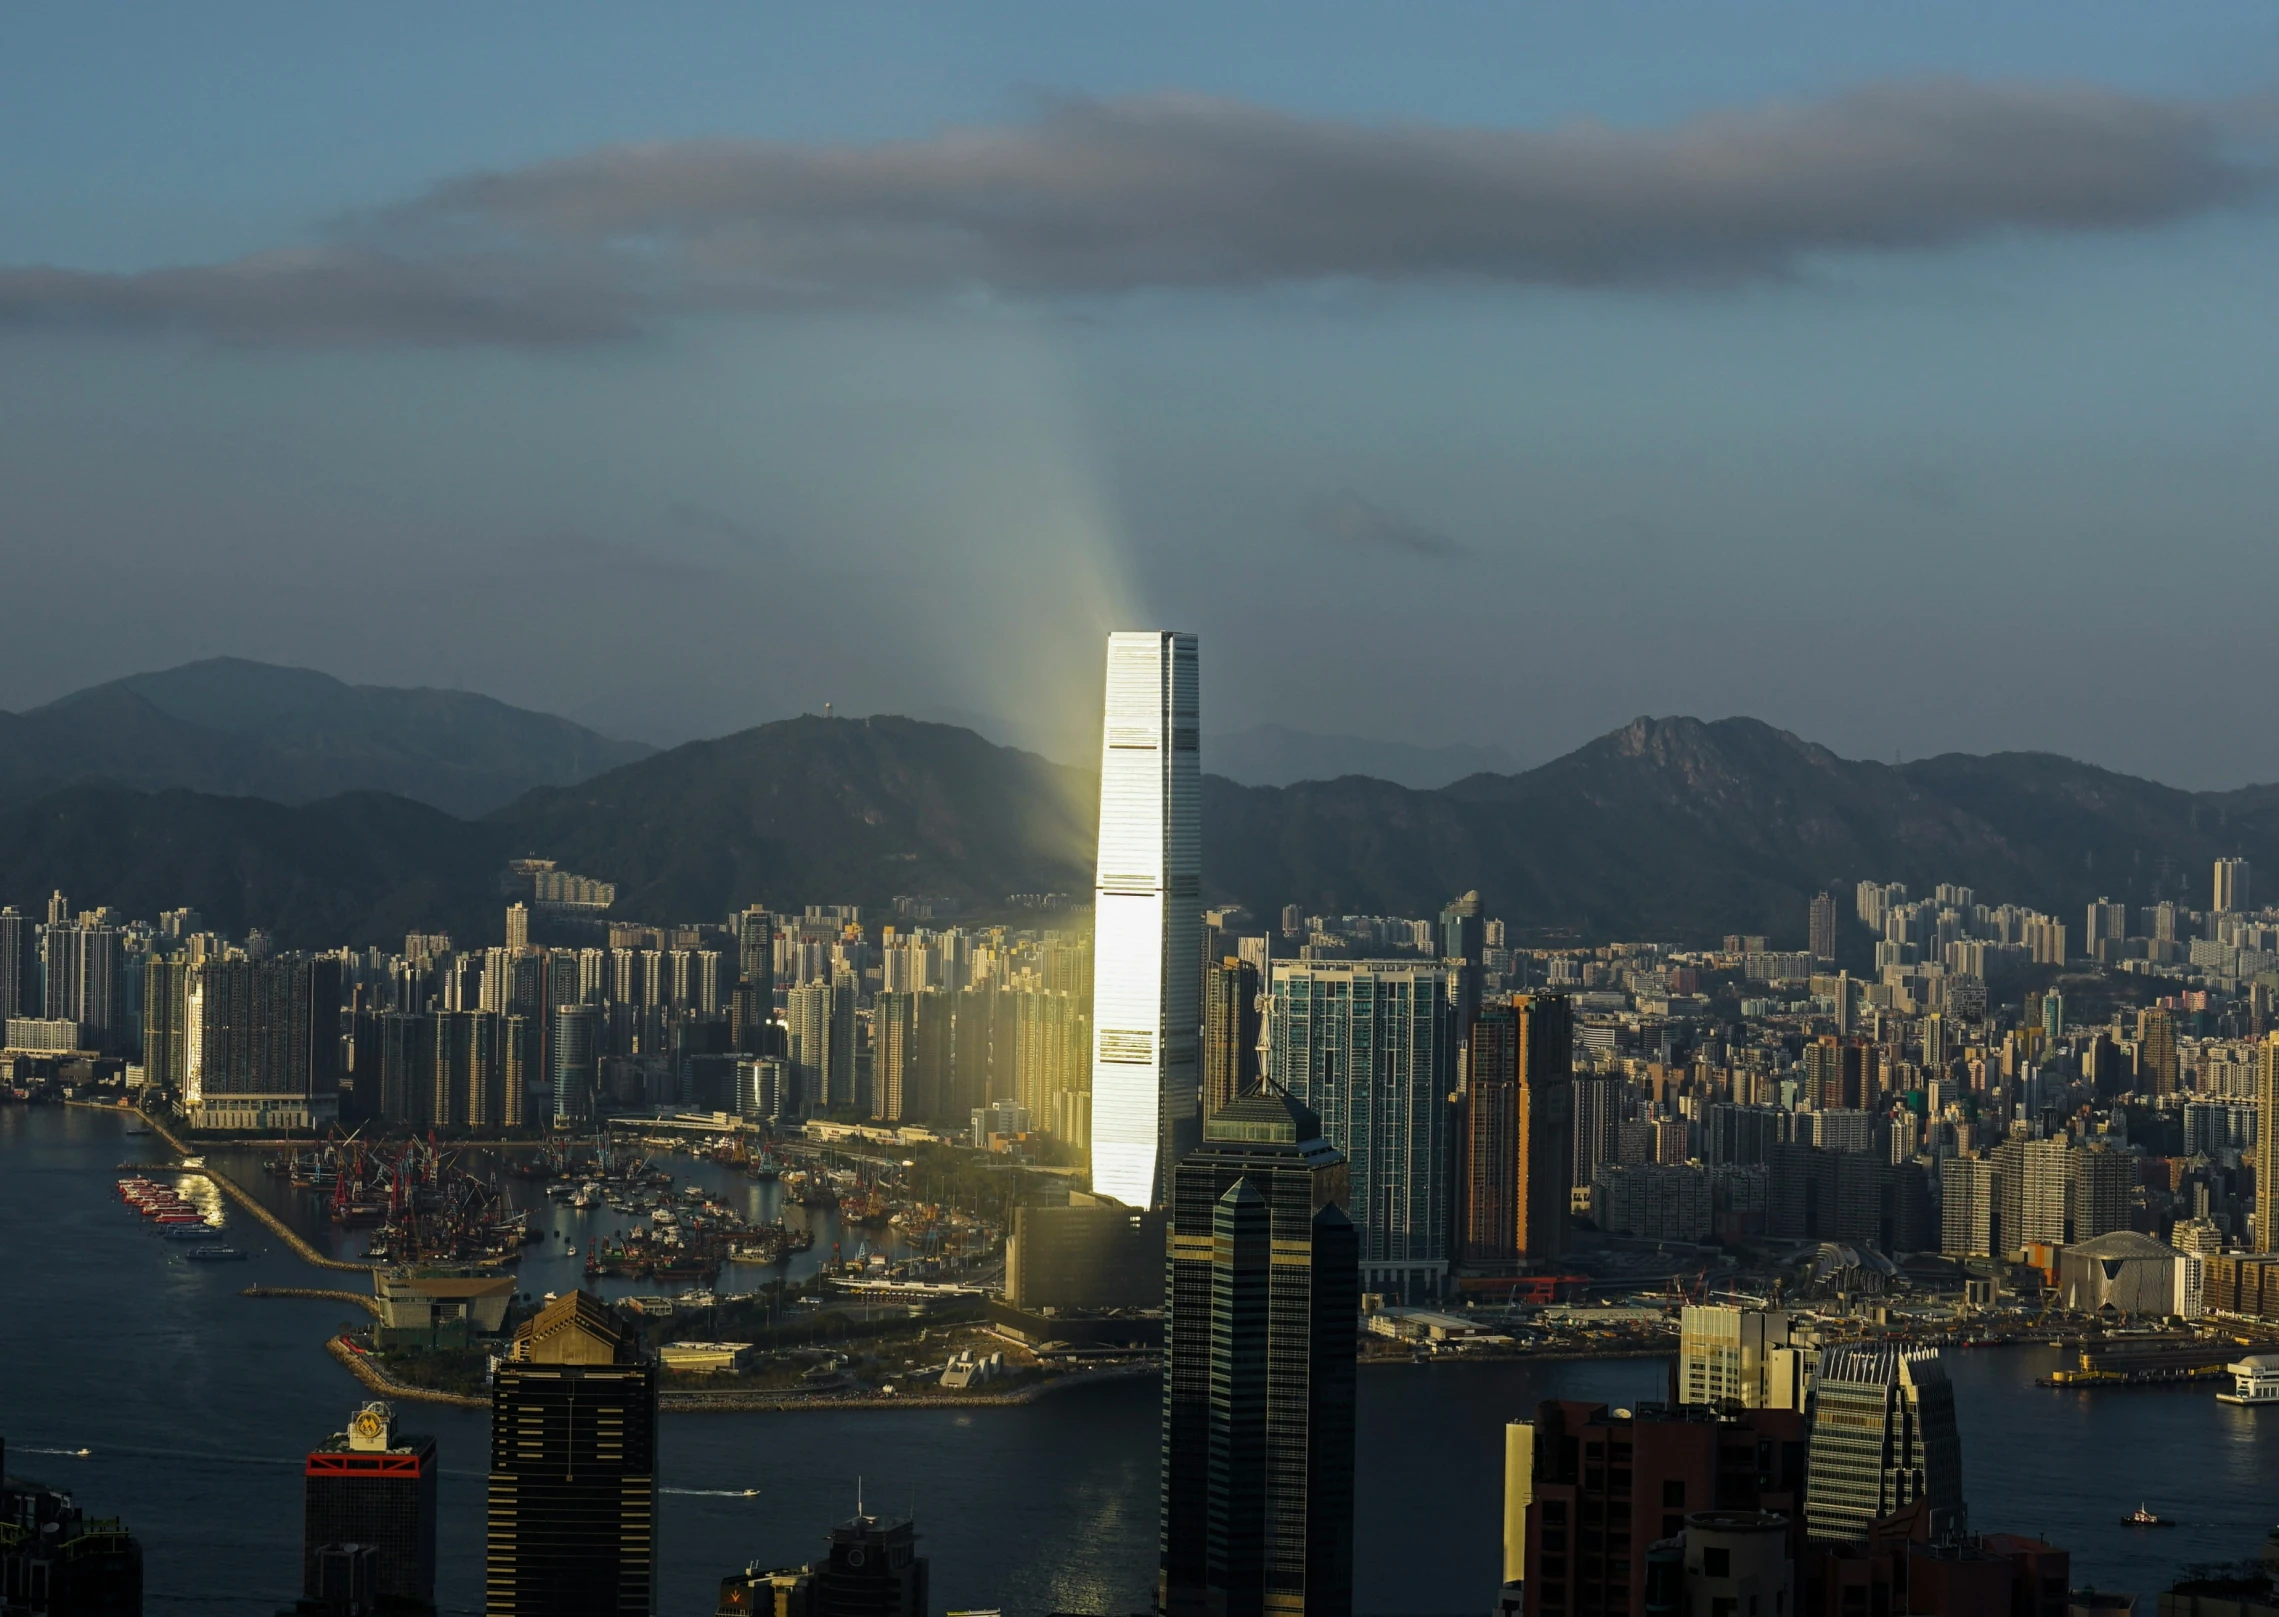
(1231, 1022)
(1820, 924)
(751, 1005)
(1258, 1381)
(1598, 1104)
(18, 963)
(575, 1068)
(1519, 1131)
(1463, 946)
(573, 1481)
(1146, 919)
(260, 1043)
(2157, 1066)
(1883, 1436)
(1369, 1046)
(1968, 1225)
(2099, 1192)
(517, 927)
(368, 1516)
(911, 1056)
(2266, 1223)
(83, 971)
(2231, 887)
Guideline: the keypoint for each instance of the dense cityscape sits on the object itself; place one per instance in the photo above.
(1208, 810)
(1309, 1145)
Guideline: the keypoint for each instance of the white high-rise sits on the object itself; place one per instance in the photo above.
(1147, 920)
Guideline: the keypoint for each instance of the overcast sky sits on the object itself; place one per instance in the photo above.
(1905, 377)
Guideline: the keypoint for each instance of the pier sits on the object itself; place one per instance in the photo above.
(244, 1198)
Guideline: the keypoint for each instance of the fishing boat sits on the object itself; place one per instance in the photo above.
(2143, 1516)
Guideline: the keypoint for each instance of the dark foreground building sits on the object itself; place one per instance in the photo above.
(573, 1492)
(1263, 1298)
(57, 1561)
(872, 1569)
(368, 1519)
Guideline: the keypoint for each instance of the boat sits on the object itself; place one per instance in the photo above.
(190, 1232)
(2142, 1516)
(213, 1254)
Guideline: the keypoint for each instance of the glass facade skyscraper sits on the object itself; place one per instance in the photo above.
(1883, 1436)
(1147, 919)
(1370, 1047)
(1261, 1297)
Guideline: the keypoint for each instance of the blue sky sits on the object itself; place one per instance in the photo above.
(1898, 375)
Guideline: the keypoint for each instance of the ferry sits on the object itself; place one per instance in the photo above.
(2142, 1516)
(214, 1254)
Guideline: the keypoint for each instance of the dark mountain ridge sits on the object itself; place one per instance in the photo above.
(1671, 828)
(234, 728)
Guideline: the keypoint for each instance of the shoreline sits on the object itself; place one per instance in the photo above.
(680, 1401)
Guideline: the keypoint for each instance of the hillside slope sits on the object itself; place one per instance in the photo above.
(812, 810)
(1668, 828)
(229, 727)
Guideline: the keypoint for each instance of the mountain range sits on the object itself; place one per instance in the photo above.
(1669, 828)
(246, 729)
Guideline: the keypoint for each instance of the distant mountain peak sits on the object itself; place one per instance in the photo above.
(236, 727)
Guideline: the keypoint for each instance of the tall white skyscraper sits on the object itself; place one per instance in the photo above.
(1147, 921)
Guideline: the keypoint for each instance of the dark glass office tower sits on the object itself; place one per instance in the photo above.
(873, 1570)
(573, 1496)
(371, 1486)
(1883, 1436)
(1262, 1295)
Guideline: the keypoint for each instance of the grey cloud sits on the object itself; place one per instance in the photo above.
(1348, 519)
(337, 295)
(1179, 191)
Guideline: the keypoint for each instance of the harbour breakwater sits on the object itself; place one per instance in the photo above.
(370, 1305)
(245, 1199)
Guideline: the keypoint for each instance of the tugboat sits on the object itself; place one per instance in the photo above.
(2142, 1516)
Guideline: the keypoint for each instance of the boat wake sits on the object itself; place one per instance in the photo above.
(714, 1493)
(68, 1454)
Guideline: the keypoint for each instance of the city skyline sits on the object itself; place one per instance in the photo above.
(607, 866)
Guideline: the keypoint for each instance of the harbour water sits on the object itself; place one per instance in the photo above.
(195, 1404)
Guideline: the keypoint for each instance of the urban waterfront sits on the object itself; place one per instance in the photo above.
(195, 1404)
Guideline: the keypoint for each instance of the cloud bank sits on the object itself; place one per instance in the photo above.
(1102, 198)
